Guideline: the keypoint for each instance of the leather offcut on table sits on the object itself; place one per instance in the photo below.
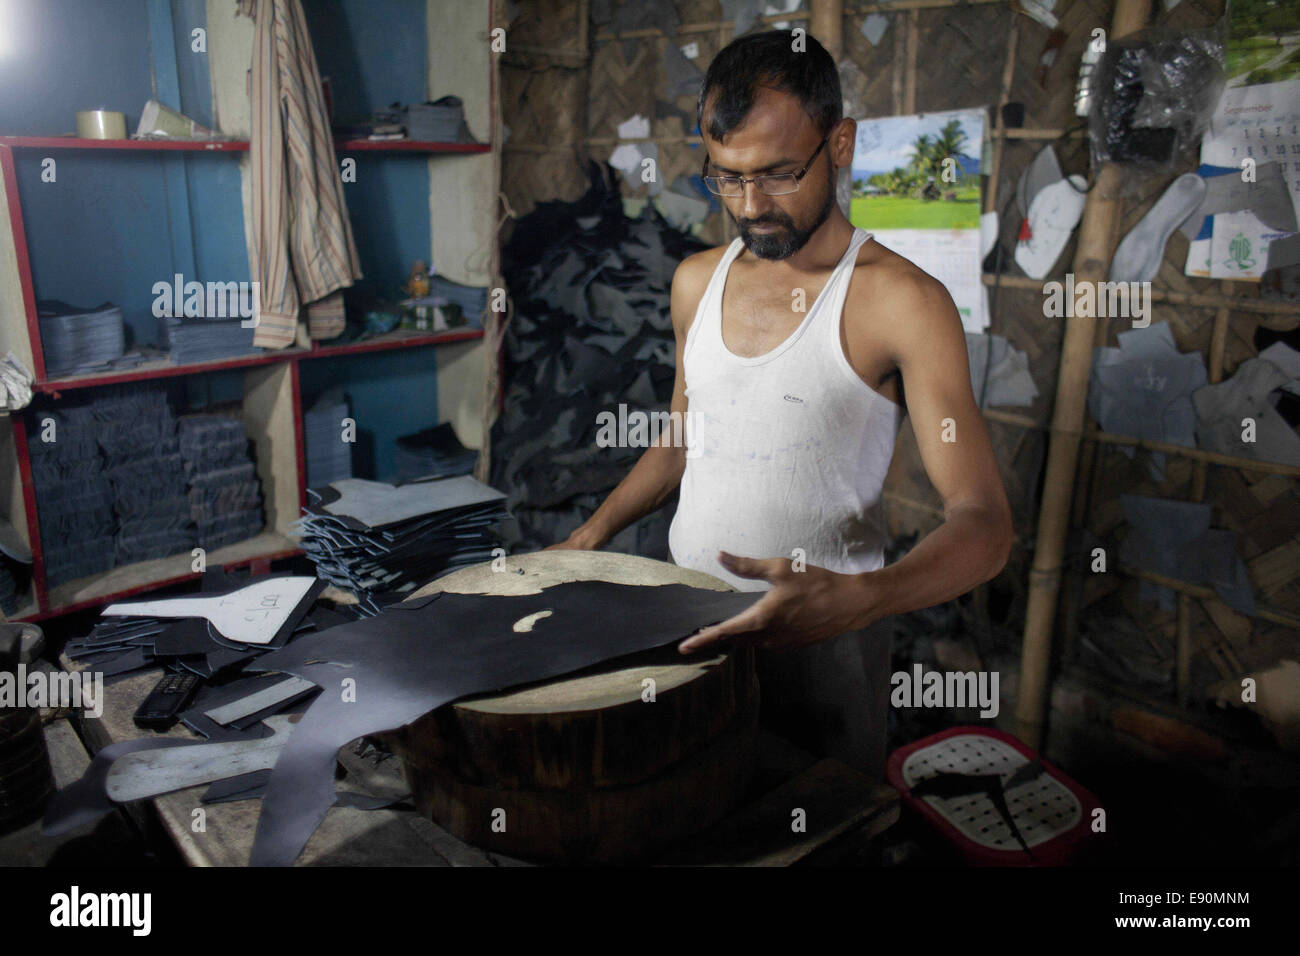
(416, 657)
(121, 644)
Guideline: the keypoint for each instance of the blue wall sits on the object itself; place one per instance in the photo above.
(391, 394)
(374, 53)
(113, 224)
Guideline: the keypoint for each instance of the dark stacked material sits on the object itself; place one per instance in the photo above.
(8, 588)
(26, 780)
(137, 434)
(592, 330)
(74, 499)
(372, 538)
(329, 457)
(120, 645)
(225, 494)
(433, 453)
(75, 340)
(120, 481)
(202, 339)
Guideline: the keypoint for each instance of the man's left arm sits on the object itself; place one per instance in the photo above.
(970, 547)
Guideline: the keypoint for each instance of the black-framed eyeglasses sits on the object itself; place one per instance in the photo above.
(771, 184)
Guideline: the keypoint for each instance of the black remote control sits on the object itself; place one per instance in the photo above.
(169, 697)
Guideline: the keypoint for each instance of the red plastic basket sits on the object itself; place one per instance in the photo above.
(1053, 813)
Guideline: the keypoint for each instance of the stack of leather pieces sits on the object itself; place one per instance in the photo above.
(329, 457)
(136, 431)
(375, 539)
(225, 494)
(26, 780)
(433, 453)
(74, 500)
(76, 340)
(592, 331)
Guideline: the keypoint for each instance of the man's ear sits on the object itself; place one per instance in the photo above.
(843, 140)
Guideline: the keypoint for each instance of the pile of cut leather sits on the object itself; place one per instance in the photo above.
(591, 331)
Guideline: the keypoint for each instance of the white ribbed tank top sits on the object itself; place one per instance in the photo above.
(785, 450)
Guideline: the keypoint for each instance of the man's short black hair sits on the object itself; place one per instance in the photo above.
(769, 59)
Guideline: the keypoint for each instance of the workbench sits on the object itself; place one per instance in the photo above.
(845, 811)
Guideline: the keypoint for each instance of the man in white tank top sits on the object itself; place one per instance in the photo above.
(794, 347)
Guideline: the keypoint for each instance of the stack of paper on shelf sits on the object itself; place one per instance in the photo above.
(75, 340)
(329, 457)
(136, 431)
(74, 500)
(225, 494)
(205, 340)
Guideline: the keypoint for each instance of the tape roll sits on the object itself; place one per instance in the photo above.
(101, 124)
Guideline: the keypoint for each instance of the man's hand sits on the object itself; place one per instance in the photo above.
(583, 538)
(802, 607)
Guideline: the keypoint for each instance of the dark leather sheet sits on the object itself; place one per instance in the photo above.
(420, 655)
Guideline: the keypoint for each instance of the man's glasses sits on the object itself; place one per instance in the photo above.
(773, 184)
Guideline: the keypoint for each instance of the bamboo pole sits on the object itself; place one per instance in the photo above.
(1262, 612)
(826, 23)
(708, 26)
(909, 79)
(1004, 97)
(1241, 303)
(1196, 454)
(1097, 237)
(899, 66)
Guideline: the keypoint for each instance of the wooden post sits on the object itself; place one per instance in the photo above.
(1097, 240)
(826, 23)
(1004, 97)
(909, 80)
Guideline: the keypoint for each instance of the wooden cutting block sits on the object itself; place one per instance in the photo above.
(588, 767)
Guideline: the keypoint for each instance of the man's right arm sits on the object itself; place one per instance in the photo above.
(657, 473)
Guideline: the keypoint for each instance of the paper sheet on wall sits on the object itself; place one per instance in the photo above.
(916, 188)
(1259, 123)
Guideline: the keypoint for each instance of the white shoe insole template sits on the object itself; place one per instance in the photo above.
(1053, 214)
(251, 615)
(1140, 253)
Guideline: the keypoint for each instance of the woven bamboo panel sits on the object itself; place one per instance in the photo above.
(525, 177)
(699, 11)
(960, 56)
(868, 90)
(543, 107)
(546, 33)
(960, 59)
(621, 88)
(544, 104)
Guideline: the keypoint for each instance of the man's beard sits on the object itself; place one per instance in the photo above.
(788, 239)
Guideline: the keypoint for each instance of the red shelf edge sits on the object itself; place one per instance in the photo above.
(408, 146)
(55, 386)
(57, 610)
(234, 145)
(383, 345)
(74, 142)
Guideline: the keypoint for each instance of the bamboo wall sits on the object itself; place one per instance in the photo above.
(567, 84)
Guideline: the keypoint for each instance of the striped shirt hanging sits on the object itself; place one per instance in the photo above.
(302, 250)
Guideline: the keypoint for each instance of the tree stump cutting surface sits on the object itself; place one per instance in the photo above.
(587, 768)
